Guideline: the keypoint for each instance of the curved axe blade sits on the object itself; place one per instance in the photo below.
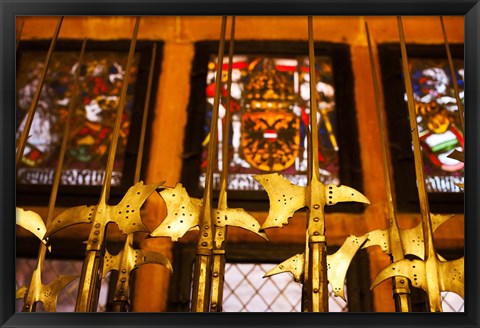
(411, 269)
(183, 213)
(153, 257)
(338, 263)
(32, 222)
(336, 194)
(20, 293)
(49, 293)
(130, 258)
(411, 239)
(285, 199)
(239, 218)
(450, 275)
(127, 213)
(71, 216)
(294, 265)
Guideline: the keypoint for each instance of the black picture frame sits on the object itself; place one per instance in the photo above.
(399, 128)
(74, 195)
(470, 9)
(346, 127)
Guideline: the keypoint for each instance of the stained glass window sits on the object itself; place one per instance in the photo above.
(438, 121)
(101, 79)
(270, 112)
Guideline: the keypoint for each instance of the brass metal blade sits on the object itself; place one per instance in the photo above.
(71, 216)
(126, 214)
(32, 222)
(338, 263)
(153, 257)
(127, 260)
(411, 269)
(337, 194)
(294, 265)
(20, 293)
(285, 199)
(411, 239)
(239, 218)
(183, 213)
(49, 293)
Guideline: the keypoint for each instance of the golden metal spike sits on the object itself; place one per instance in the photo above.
(31, 111)
(400, 285)
(32, 222)
(36, 291)
(220, 232)
(130, 258)
(89, 287)
(203, 261)
(454, 76)
(224, 215)
(286, 198)
(433, 275)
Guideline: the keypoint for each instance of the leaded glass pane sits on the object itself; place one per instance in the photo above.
(452, 302)
(270, 106)
(101, 79)
(438, 121)
(245, 290)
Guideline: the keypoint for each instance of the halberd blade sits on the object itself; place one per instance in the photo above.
(49, 293)
(71, 216)
(32, 222)
(411, 239)
(21, 292)
(378, 238)
(239, 218)
(153, 257)
(439, 219)
(335, 194)
(294, 265)
(451, 276)
(285, 198)
(183, 213)
(127, 213)
(411, 269)
(338, 263)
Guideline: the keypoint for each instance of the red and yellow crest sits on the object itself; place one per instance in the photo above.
(270, 140)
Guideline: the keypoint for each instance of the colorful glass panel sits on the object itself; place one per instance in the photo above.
(438, 121)
(270, 106)
(101, 79)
